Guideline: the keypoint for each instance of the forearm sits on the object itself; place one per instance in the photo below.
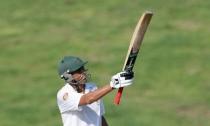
(95, 95)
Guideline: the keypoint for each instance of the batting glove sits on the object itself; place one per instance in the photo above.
(122, 79)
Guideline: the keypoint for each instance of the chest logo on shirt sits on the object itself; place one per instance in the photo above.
(65, 96)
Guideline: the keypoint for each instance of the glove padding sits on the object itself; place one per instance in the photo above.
(122, 79)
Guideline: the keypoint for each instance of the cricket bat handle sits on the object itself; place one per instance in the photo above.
(118, 96)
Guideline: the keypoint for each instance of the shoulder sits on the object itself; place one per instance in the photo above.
(65, 89)
(90, 86)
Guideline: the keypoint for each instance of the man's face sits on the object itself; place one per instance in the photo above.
(79, 76)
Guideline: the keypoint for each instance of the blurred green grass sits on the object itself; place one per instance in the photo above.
(172, 72)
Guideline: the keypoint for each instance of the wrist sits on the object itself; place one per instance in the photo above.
(111, 87)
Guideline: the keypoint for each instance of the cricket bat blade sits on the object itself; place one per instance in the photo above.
(134, 47)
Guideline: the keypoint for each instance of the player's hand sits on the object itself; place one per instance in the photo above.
(122, 79)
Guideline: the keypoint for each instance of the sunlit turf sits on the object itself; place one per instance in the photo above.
(171, 86)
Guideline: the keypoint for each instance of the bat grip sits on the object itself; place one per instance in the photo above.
(118, 96)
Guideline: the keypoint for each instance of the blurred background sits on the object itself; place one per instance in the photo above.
(172, 72)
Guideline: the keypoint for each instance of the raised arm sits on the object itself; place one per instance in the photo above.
(121, 79)
(95, 95)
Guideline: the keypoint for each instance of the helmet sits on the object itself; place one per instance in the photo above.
(70, 64)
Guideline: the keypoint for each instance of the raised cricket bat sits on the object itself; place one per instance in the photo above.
(134, 47)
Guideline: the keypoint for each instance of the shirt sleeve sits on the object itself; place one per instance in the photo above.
(68, 100)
